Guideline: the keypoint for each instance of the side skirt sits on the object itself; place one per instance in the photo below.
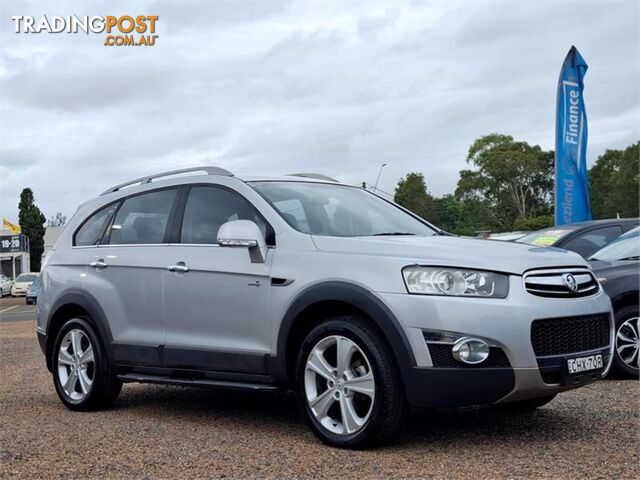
(142, 378)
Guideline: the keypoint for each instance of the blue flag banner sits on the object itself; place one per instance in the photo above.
(572, 186)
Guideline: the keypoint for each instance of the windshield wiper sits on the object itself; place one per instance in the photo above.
(635, 257)
(391, 234)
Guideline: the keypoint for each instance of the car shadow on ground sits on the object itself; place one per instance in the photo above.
(556, 421)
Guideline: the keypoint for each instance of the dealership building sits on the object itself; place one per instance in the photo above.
(14, 250)
(14, 254)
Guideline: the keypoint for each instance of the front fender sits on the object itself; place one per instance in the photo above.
(356, 296)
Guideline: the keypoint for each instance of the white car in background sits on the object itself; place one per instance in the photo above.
(5, 285)
(22, 283)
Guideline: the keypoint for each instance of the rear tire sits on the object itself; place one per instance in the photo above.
(348, 385)
(82, 374)
(626, 355)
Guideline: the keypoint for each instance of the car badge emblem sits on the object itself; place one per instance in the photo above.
(570, 282)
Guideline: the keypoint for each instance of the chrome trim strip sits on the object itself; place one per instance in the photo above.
(535, 281)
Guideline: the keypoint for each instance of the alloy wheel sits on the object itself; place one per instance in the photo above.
(339, 385)
(76, 364)
(628, 342)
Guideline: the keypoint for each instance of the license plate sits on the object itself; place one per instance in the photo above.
(584, 364)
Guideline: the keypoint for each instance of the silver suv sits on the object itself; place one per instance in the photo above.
(266, 283)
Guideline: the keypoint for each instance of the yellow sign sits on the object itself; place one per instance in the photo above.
(12, 227)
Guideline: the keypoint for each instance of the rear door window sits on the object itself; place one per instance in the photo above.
(143, 219)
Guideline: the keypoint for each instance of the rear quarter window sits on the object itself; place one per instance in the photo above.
(93, 227)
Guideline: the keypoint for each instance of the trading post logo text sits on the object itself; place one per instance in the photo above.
(124, 30)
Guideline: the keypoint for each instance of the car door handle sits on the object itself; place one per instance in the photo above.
(98, 264)
(179, 267)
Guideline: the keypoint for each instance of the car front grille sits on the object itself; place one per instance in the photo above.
(565, 335)
(441, 357)
(569, 283)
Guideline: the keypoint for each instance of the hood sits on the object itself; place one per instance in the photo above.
(601, 267)
(508, 257)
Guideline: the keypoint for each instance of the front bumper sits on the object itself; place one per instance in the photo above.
(42, 341)
(505, 324)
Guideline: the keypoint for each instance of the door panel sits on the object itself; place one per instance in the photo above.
(216, 301)
(125, 271)
(222, 303)
(129, 290)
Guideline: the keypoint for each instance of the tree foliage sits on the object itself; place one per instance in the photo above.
(514, 178)
(32, 222)
(511, 188)
(614, 181)
(412, 194)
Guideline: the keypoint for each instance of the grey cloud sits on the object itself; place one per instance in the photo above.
(189, 15)
(277, 87)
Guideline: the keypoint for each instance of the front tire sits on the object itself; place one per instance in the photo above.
(626, 355)
(348, 384)
(82, 374)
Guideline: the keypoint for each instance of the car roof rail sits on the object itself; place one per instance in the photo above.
(149, 178)
(316, 176)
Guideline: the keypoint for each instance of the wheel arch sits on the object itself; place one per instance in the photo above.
(316, 303)
(625, 298)
(72, 304)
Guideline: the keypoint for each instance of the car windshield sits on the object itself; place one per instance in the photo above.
(26, 277)
(338, 210)
(546, 237)
(625, 247)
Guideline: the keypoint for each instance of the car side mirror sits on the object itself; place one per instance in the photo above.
(244, 234)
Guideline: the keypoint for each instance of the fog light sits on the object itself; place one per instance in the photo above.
(470, 350)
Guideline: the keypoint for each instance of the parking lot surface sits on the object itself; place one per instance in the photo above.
(16, 310)
(172, 432)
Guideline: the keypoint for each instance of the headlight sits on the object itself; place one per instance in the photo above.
(455, 282)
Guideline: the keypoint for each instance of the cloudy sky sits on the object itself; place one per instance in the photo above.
(277, 87)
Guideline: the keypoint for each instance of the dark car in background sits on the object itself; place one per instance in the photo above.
(584, 238)
(617, 267)
(33, 291)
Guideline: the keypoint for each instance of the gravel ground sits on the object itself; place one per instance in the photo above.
(172, 432)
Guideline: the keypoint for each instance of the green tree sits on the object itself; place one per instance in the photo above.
(449, 212)
(514, 179)
(613, 181)
(533, 223)
(411, 192)
(32, 222)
